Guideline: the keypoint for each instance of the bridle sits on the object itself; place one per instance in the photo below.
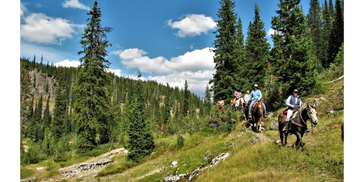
(309, 116)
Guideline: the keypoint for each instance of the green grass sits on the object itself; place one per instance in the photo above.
(25, 173)
(322, 160)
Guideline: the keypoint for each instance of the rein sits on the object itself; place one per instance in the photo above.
(301, 119)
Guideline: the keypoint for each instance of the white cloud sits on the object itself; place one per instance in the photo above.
(196, 67)
(67, 63)
(271, 31)
(197, 81)
(135, 77)
(116, 72)
(74, 4)
(51, 55)
(192, 25)
(190, 61)
(41, 28)
(23, 9)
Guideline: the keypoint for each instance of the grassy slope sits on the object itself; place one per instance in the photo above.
(323, 159)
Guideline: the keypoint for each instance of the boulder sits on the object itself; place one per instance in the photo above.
(274, 125)
(215, 123)
(174, 164)
(270, 115)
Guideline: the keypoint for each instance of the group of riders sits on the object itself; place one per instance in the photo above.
(293, 102)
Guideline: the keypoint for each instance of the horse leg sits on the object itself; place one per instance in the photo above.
(260, 125)
(285, 138)
(281, 135)
(299, 141)
(302, 144)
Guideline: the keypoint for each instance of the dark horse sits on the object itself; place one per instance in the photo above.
(299, 123)
(257, 115)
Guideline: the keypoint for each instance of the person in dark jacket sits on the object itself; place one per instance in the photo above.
(293, 102)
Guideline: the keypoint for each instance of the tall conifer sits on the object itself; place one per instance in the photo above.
(226, 79)
(141, 142)
(92, 105)
(257, 48)
(290, 54)
(60, 109)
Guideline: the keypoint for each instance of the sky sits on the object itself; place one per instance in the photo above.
(168, 40)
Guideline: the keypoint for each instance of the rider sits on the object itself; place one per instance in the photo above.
(246, 98)
(238, 95)
(256, 95)
(293, 102)
(221, 101)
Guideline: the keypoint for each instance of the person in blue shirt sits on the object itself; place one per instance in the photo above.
(256, 95)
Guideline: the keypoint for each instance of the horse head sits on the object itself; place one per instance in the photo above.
(312, 113)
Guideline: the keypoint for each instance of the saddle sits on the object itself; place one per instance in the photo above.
(233, 101)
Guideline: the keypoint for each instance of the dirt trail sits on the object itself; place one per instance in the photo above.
(87, 169)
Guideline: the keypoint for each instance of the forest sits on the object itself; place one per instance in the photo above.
(71, 112)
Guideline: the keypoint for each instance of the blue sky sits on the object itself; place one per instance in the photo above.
(168, 40)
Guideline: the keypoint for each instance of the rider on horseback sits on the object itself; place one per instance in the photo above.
(256, 95)
(237, 95)
(293, 102)
(246, 98)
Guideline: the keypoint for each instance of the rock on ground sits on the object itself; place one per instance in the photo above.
(274, 125)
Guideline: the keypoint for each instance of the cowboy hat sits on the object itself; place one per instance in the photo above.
(255, 85)
(295, 90)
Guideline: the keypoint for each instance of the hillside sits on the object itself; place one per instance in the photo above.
(251, 156)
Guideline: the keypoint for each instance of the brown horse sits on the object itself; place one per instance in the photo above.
(257, 115)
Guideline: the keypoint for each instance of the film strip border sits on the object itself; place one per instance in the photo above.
(344, 125)
(18, 93)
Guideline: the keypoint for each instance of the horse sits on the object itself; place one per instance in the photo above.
(233, 104)
(257, 115)
(246, 111)
(299, 123)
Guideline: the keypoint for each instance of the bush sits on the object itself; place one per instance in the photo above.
(180, 141)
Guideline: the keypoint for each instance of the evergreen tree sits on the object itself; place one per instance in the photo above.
(290, 54)
(257, 48)
(207, 99)
(241, 54)
(337, 32)
(141, 142)
(315, 32)
(91, 105)
(326, 31)
(60, 110)
(47, 118)
(225, 80)
(167, 104)
(25, 94)
(186, 99)
(37, 119)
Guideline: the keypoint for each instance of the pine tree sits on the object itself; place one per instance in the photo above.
(37, 119)
(47, 118)
(186, 100)
(60, 110)
(240, 51)
(337, 32)
(167, 104)
(141, 142)
(257, 48)
(207, 99)
(225, 80)
(314, 22)
(92, 105)
(25, 94)
(290, 54)
(326, 31)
